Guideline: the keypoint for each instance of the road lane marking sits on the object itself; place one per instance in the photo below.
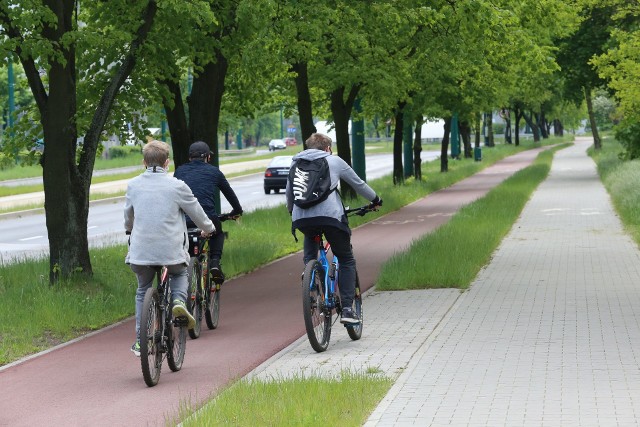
(30, 238)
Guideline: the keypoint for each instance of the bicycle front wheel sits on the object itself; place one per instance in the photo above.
(176, 342)
(355, 331)
(151, 337)
(317, 318)
(195, 296)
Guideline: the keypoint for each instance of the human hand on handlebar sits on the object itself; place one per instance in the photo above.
(375, 204)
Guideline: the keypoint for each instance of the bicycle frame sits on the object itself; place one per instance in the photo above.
(164, 290)
(319, 300)
(330, 270)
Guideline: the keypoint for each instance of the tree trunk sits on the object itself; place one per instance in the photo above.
(398, 132)
(506, 116)
(558, 129)
(533, 126)
(444, 148)
(375, 121)
(177, 122)
(66, 183)
(542, 124)
(465, 134)
(478, 129)
(492, 142)
(305, 105)
(518, 113)
(597, 144)
(205, 102)
(66, 193)
(341, 111)
(417, 148)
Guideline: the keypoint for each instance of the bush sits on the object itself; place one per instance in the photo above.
(628, 134)
(6, 162)
(498, 128)
(120, 151)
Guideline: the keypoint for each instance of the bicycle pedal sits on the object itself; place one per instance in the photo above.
(350, 325)
(180, 321)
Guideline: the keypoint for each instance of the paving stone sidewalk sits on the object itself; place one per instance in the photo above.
(547, 335)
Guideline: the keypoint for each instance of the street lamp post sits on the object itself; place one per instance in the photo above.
(10, 77)
(407, 138)
(357, 142)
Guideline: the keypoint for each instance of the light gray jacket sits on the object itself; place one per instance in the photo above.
(329, 211)
(154, 210)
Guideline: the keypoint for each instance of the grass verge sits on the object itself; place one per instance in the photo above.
(457, 250)
(344, 401)
(621, 178)
(258, 238)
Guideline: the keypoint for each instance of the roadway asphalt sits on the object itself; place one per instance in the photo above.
(110, 186)
(96, 381)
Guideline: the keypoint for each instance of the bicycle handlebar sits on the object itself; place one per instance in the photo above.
(227, 216)
(221, 217)
(362, 210)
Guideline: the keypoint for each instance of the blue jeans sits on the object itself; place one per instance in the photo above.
(146, 275)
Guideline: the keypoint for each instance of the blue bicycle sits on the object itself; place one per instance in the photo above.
(321, 296)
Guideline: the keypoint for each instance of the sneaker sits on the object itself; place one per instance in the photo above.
(349, 317)
(180, 310)
(217, 276)
(135, 348)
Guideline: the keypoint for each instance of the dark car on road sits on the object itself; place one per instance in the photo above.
(275, 177)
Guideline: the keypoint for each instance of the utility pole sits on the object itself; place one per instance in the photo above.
(357, 142)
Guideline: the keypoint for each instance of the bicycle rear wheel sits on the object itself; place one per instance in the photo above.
(317, 319)
(176, 342)
(151, 337)
(212, 313)
(194, 296)
(355, 331)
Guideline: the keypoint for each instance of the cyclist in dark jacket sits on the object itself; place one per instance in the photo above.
(203, 179)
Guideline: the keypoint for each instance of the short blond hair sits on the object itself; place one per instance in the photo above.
(318, 141)
(155, 153)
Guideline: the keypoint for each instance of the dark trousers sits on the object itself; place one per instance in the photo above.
(340, 241)
(216, 241)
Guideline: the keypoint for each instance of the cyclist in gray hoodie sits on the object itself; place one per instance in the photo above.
(328, 217)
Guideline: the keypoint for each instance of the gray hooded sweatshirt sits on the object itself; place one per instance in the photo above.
(154, 210)
(330, 211)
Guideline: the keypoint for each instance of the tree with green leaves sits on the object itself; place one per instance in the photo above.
(76, 60)
(576, 54)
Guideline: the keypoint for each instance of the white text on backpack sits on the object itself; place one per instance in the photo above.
(299, 186)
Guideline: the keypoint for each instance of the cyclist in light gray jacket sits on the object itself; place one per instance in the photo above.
(328, 217)
(155, 204)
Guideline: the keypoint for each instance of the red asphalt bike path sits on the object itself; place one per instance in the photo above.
(97, 381)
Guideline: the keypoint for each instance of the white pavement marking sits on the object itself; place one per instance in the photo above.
(30, 238)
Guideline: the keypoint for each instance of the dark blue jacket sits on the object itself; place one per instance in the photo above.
(203, 179)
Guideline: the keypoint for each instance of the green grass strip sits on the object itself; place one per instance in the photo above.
(453, 254)
(344, 401)
(621, 178)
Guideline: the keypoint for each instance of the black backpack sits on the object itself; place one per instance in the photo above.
(310, 181)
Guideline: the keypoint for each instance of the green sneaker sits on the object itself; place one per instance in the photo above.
(180, 310)
(135, 348)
